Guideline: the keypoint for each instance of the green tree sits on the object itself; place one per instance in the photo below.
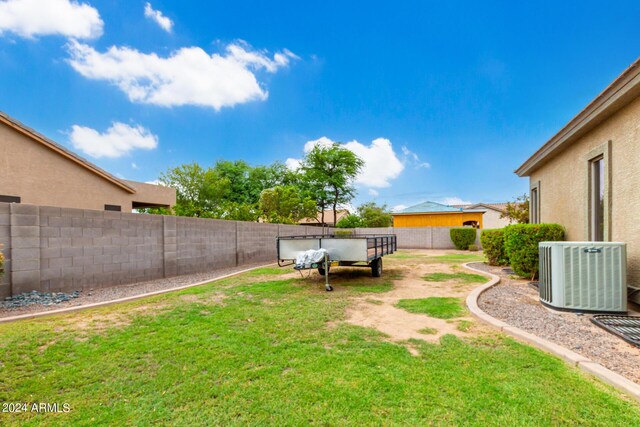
(350, 221)
(285, 205)
(518, 210)
(329, 172)
(199, 192)
(373, 215)
(237, 174)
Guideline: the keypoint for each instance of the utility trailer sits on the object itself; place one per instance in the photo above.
(341, 250)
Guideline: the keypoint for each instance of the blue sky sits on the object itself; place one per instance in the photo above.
(444, 99)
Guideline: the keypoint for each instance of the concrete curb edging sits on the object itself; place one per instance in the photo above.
(604, 374)
(125, 299)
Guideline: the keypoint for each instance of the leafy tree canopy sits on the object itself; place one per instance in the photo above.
(518, 210)
(328, 173)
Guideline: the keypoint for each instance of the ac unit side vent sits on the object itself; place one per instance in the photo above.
(583, 276)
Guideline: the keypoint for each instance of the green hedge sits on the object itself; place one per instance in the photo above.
(493, 246)
(463, 237)
(521, 245)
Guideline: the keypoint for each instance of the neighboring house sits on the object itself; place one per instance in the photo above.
(37, 170)
(432, 214)
(587, 176)
(328, 218)
(491, 217)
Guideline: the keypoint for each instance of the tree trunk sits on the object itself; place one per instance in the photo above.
(335, 212)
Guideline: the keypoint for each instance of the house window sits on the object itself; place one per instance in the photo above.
(9, 199)
(116, 208)
(534, 204)
(596, 199)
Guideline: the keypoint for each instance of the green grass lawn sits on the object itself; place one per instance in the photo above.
(440, 307)
(239, 352)
(459, 277)
(458, 258)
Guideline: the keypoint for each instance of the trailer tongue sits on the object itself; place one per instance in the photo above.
(326, 251)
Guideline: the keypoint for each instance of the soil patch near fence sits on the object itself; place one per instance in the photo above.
(90, 295)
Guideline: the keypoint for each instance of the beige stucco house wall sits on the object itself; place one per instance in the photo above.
(491, 219)
(609, 127)
(36, 170)
(491, 216)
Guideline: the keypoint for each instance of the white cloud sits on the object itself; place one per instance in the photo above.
(373, 192)
(292, 164)
(381, 164)
(154, 182)
(117, 141)
(323, 141)
(454, 201)
(68, 18)
(134, 166)
(189, 76)
(158, 17)
(411, 157)
(398, 208)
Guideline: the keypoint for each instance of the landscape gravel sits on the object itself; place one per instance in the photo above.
(34, 302)
(516, 302)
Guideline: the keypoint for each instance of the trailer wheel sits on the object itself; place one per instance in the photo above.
(376, 267)
(321, 271)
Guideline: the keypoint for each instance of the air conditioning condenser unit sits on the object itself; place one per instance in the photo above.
(584, 276)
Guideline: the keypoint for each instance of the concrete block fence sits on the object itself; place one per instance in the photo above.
(58, 249)
(419, 237)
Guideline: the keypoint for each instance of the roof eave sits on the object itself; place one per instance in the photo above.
(27, 131)
(619, 93)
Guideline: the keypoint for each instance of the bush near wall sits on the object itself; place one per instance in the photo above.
(462, 238)
(521, 245)
(492, 241)
(1, 264)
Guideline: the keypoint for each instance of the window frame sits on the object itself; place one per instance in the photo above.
(534, 203)
(601, 153)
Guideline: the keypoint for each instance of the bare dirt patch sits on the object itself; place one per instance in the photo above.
(379, 312)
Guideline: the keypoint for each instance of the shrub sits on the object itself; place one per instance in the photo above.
(463, 237)
(1, 263)
(350, 221)
(344, 232)
(473, 247)
(493, 246)
(521, 245)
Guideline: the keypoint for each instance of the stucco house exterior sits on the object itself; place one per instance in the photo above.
(587, 176)
(328, 218)
(36, 170)
(492, 212)
(432, 214)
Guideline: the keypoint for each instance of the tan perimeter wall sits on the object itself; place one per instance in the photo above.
(61, 249)
(418, 237)
(563, 184)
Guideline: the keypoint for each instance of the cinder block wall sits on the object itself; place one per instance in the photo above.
(58, 249)
(418, 237)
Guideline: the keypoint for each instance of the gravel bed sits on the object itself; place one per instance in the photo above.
(40, 302)
(516, 302)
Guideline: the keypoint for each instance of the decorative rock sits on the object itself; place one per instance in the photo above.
(35, 297)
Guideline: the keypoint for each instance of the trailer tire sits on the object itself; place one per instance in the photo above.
(321, 271)
(376, 267)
